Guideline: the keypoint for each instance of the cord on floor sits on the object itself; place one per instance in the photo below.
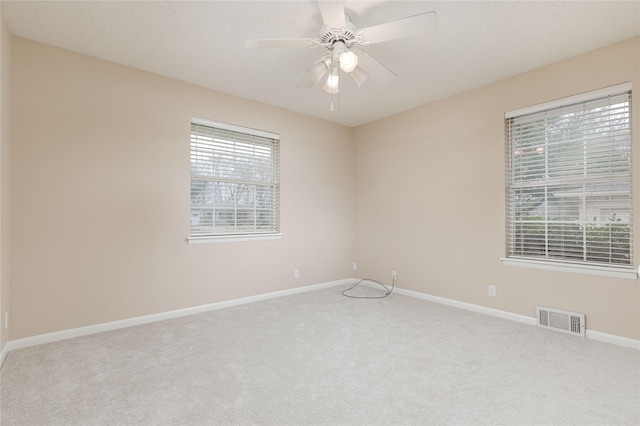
(388, 290)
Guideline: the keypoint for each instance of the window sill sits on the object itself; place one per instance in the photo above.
(628, 274)
(233, 238)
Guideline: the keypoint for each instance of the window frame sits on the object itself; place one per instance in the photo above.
(244, 135)
(563, 263)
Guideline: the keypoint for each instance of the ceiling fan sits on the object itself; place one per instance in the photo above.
(342, 42)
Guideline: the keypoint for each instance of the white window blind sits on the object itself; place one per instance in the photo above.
(234, 181)
(569, 181)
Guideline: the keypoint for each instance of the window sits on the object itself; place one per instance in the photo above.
(234, 181)
(568, 181)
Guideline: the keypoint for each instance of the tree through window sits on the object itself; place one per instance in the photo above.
(234, 180)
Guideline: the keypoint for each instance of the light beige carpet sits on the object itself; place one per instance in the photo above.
(319, 358)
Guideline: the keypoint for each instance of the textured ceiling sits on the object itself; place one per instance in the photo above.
(202, 42)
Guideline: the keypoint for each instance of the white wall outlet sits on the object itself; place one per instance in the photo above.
(492, 290)
(355, 266)
(296, 273)
(6, 320)
(394, 275)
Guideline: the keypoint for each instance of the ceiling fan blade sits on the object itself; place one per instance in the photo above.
(378, 72)
(407, 27)
(282, 42)
(332, 13)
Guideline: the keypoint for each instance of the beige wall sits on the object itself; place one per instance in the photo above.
(430, 197)
(5, 135)
(100, 196)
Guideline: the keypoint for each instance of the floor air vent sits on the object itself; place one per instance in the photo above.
(563, 321)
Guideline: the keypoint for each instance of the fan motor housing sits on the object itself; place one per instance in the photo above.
(346, 34)
(331, 35)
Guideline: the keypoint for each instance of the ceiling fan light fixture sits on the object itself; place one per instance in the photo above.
(318, 70)
(348, 61)
(332, 85)
(359, 75)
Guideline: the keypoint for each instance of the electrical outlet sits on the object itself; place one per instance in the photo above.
(355, 266)
(394, 275)
(296, 273)
(492, 290)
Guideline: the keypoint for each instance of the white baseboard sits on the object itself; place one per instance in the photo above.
(590, 334)
(613, 339)
(3, 354)
(130, 322)
(469, 306)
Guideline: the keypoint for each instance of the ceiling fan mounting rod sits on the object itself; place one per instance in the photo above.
(337, 48)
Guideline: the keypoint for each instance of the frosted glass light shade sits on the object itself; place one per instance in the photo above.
(348, 61)
(332, 84)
